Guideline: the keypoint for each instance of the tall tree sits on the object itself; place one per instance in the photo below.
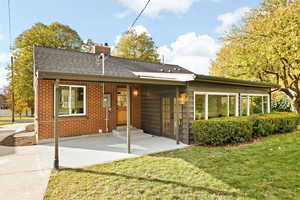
(266, 48)
(139, 46)
(87, 46)
(55, 35)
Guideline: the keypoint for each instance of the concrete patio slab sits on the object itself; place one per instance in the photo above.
(76, 153)
(25, 171)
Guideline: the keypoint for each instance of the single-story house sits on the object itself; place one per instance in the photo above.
(92, 90)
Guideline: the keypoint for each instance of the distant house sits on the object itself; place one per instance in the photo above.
(3, 103)
(164, 99)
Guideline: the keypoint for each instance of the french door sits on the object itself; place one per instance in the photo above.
(167, 117)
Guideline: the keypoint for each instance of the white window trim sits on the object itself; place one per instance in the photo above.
(257, 95)
(69, 100)
(206, 94)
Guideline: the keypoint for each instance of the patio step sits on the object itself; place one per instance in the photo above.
(122, 131)
(123, 128)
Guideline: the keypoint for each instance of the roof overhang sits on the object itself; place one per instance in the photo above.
(228, 81)
(114, 79)
(181, 77)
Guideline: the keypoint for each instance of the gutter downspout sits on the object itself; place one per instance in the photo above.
(55, 128)
(103, 93)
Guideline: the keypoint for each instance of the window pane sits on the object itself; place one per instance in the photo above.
(265, 102)
(255, 105)
(200, 107)
(63, 107)
(232, 102)
(77, 100)
(217, 106)
(244, 105)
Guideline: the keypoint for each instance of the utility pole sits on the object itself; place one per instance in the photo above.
(12, 90)
(11, 66)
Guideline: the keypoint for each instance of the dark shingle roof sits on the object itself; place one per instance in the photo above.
(75, 62)
(81, 63)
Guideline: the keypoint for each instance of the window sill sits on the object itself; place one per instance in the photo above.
(72, 116)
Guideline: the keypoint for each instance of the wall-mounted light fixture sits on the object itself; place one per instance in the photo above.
(183, 98)
(135, 92)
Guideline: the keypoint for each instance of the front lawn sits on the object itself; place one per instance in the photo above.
(4, 123)
(268, 169)
(16, 117)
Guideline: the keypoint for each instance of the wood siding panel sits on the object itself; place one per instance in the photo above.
(150, 111)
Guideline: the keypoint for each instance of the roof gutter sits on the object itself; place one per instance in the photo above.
(113, 79)
(221, 80)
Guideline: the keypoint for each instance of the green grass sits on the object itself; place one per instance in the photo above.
(4, 123)
(268, 169)
(16, 118)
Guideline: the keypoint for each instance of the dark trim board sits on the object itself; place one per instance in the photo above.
(78, 77)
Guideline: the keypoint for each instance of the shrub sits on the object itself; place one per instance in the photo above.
(281, 104)
(220, 131)
(230, 130)
(268, 124)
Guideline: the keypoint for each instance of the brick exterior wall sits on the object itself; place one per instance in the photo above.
(95, 113)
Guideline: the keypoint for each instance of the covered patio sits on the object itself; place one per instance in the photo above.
(83, 151)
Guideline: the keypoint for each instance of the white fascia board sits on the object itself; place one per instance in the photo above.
(166, 76)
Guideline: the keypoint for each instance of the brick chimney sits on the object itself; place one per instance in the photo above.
(102, 48)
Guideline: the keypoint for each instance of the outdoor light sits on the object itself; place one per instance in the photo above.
(183, 98)
(135, 92)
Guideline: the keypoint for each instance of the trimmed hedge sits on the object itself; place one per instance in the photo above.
(229, 130)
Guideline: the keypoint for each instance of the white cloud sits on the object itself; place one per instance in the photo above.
(156, 7)
(3, 77)
(231, 18)
(139, 30)
(191, 51)
(4, 58)
(2, 37)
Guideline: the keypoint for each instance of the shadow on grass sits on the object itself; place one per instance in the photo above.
(252, 168)
(194, 188)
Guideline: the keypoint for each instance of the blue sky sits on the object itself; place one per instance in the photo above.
(186, 32)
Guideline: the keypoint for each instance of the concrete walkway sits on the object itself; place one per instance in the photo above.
(21, 174)
(7, 130)
(24, 171)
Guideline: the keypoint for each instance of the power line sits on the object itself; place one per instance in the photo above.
(139, 15)
(9, 25)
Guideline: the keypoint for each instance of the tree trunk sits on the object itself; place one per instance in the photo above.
(32, 111)
(296, 104)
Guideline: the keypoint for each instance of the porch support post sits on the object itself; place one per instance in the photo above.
(55, 128)
(206, 107)
(128, 118)
(177, 116)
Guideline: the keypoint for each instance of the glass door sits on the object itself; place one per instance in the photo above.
(167, 119)
(121, 106)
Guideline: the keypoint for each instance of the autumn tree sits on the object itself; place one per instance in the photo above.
(55, 35)
(87, 46)
(265, 48)
(138, 46)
